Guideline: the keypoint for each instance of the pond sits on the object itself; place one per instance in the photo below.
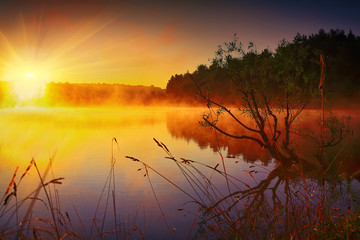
(82, 144)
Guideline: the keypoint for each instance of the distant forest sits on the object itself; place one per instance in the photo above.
(84, 94)
(298, 59)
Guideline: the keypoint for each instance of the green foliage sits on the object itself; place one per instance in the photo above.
(295, 72)
(293, 69)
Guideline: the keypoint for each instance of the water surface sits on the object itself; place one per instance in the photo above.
(81, 143)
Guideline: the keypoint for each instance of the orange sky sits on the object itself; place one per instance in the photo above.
(138, 43)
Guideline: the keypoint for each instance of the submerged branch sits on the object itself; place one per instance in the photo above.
(234, 136)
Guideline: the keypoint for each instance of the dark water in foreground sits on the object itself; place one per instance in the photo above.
(80, 141)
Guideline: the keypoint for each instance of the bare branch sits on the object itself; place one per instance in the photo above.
(234, 136)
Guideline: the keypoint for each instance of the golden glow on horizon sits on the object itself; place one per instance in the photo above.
(29, 61)
(102, 47)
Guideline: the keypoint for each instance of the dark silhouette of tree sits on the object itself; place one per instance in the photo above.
(180, 86)
(342, 53)
(340, 50)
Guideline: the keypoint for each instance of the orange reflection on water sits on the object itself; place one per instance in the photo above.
(187, 126)
(306, 141)
(80, 139)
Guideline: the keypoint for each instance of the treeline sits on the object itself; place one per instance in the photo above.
(87, 94)
(298, 60)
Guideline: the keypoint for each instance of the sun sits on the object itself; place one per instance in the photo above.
(30, 75)
(30, 85)
(28, 79)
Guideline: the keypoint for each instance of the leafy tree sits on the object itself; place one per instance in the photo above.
(273, 88)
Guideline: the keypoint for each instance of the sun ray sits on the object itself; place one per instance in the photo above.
(23, 30)
(72, 43)
(8, 47)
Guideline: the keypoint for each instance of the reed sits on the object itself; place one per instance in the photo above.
(248, 212)
(285, 205)
(55, 223)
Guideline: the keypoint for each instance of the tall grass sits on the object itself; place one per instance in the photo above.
(285, 205)
(24, 218)
(33, 226)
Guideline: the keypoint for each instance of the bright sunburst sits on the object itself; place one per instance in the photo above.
(29, 79)
(46, 43)
(42, 46)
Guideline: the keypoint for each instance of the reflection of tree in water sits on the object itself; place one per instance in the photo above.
(185, 125)
(284, 202)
